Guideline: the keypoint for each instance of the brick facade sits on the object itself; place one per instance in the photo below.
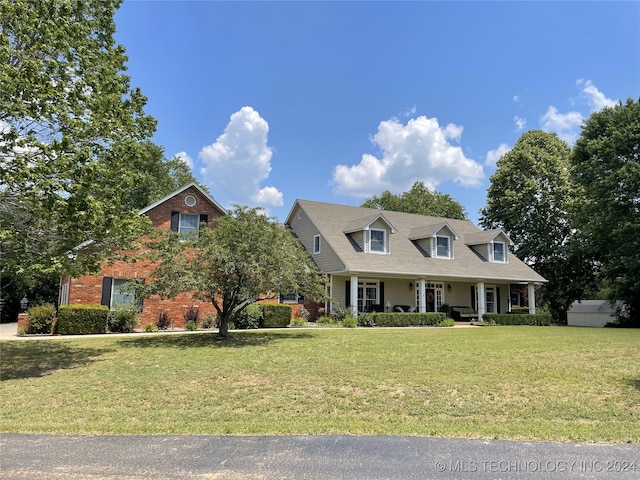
(88, 289)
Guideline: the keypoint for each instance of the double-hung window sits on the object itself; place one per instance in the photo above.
(499, 254)
(377, 241)
(188, 225)
(443, 247)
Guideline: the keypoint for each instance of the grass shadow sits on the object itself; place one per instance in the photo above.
(210, 340)
(635, 383)
(31, 359)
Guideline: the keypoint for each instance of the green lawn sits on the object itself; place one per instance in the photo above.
(535, 383)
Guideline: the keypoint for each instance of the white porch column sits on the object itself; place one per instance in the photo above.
(422, 285)
(509, 306)
(354, 295)
(532, 298)
(481, 300)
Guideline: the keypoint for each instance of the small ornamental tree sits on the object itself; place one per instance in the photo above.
(245, 257)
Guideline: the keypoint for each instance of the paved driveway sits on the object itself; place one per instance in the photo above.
(40, 457)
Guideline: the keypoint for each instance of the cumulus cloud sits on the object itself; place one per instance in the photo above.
(520, 123)
(494, 155)
(566, 125)
(595, 98)
(185, 158)
(240, 160)
(421, 150)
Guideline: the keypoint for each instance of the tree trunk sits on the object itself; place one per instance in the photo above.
(223, 328)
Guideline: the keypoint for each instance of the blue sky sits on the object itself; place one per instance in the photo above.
(339, 101)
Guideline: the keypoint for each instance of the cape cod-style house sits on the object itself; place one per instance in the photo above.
(379, 260)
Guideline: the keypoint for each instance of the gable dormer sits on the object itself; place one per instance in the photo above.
(437, 240)
(491, 245)
(371, 234)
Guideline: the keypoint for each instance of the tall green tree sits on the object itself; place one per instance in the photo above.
(71, 130)
(606, 161)
(531, 198)
(419, 199)
(245, 257)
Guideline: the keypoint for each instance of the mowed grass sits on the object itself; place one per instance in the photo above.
(533, 383)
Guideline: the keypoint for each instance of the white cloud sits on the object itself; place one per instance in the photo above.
(520, 123)
(566, 125)
(516, 98)
(185, 158)
(494, 155)
(417, 151)
(595, 98)
(240, 160)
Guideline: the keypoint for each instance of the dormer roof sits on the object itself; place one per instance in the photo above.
(431, 231)
(365, 223)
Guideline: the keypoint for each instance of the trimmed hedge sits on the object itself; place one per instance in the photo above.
(543, 319)
(41, 319)
(275, 315)
(82, 319)
(408, 319)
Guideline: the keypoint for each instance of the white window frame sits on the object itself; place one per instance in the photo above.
(504, 252)
(188, 233)
(363, 302)
(130, 298)
(449, 246)
(316, 244)
(491, 307)
(384, 240)
(291, 297)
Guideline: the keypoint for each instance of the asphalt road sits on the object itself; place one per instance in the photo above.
(51, 457)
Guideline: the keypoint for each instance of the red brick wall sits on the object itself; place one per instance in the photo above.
(88, 289)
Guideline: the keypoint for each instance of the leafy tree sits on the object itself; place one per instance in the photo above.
(606, 160)
(71, 131)
(153, 176)
(531, 198)
(245, 257)
(418, 200)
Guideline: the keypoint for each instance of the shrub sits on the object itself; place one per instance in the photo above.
(163, 320)
(366, 320)
(325, 321)
(299, 322)
(41, 319)
(303, 313)
(248, 318)
(275, 315)
(447, 322)
(209, 321)
(191, 315)
(82, 319)
(149, 327)
(518, 319)
(340, 313)
(123, 318)
(350, 322)
(191, 325)
(407, 319)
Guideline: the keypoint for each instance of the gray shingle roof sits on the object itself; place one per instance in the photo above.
(405, 257)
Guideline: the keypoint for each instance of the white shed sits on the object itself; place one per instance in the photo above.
(590, 313)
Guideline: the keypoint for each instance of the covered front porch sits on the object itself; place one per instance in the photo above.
(364, 293)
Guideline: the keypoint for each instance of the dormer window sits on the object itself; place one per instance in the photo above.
(443, 247)
(377, 241)
(499, 252)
